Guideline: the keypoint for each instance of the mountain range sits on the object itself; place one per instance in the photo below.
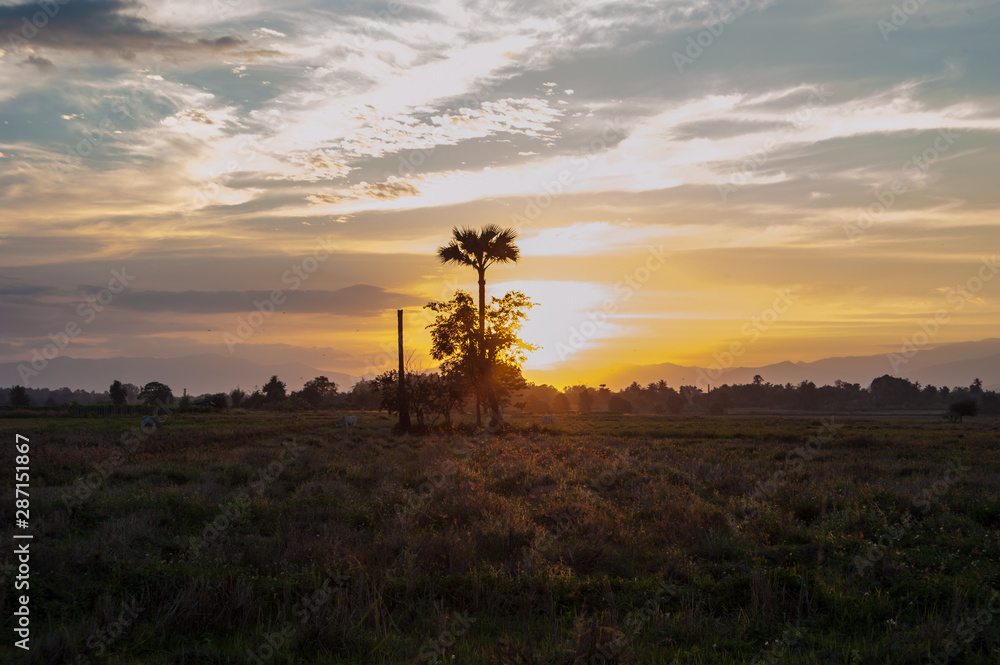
(950, 365)
(956, 364)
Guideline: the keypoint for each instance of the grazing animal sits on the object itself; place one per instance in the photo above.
(548, 419)
(347, 420)
(150, 424)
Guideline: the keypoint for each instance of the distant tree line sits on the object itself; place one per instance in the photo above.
(884, 393)
(435, 398)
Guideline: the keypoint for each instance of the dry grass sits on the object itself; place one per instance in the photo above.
(549, 541)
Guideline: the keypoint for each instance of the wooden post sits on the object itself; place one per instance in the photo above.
(404, 407)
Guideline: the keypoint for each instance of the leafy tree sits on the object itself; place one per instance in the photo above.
(363, 395)
(18, 396)
(156, 393)
(427, 395)
(319, 391)
(254, 400)
(560, 403)
(118, 393)
(585, 402)
(236, 397)
(217, 400)
(806, 396)
(479, 250)
(455, 340)
(618, 404)
(132, 391)
(274, 390)
(965, 407)
(891, 391)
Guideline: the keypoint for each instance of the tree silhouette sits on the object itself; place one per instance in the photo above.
(118, 393)
(236, 397)
(319, 391)
(154, 393)
(456, 340)
(479, 250)
(965, 407)
(18, 396)
(274, 390)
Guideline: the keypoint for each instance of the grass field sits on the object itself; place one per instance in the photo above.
(277, 538)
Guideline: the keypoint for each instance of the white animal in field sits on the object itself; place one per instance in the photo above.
(548, 419)
(347, 420)
(150, 424)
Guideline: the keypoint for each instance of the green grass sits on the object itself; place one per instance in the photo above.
(600, 538)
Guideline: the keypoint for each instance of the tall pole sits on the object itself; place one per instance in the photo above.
(404, 407)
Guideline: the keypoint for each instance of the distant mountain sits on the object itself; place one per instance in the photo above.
(204, 373)
(946, 365)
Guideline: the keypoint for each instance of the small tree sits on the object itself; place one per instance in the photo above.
(965, 407)
(428, 395)
(132, 393)
(618, 404)
(363, 395)
(319, 391)
(18, 396)
(274, 390)
(154, 393)
(118, 393)
(236, 397)
(495, 374)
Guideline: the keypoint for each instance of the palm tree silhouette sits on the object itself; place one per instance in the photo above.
(481, 249)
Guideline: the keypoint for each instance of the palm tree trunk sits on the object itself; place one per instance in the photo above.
(496, 417)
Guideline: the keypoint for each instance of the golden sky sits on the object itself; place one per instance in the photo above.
(804, 180)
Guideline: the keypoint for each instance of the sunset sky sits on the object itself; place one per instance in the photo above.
(683, 175)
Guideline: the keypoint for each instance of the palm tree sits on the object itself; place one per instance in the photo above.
(481, 249)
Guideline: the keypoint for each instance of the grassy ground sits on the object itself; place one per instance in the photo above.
(246, 538)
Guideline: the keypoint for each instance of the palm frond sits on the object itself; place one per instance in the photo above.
(454, 253)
